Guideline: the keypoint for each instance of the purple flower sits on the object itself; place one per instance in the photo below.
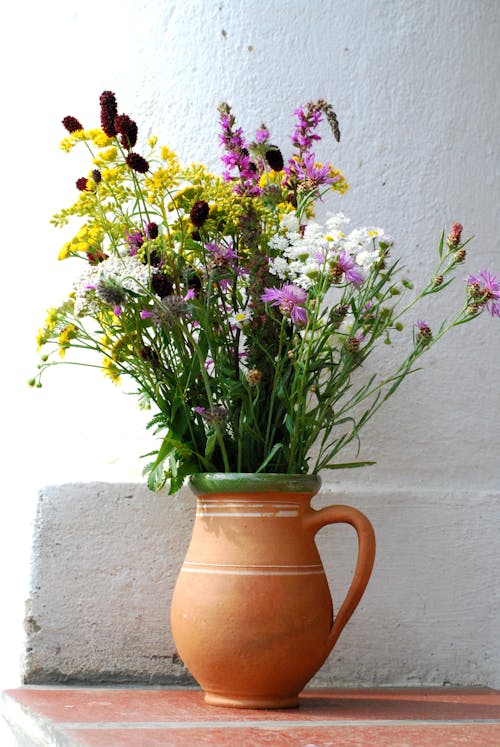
(237, 155)
(222, 256)
(262, 135)
(424, 332)
(485, 290)
(135, 240)
(309, 118)
(145, 314)
(308, 171)
(290, 299)
(347, 265)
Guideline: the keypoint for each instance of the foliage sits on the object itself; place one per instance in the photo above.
(240, 320)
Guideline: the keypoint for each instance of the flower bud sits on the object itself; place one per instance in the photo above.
(453, 238)
(424, 334)
(254, 376)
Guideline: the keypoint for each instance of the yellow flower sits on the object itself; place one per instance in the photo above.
(341, 184)
(41, 338)
(152, 141)
(65, 337)
(101, 140)
(111, 370)
(107, 155)
(166, 154)
(65, 251)
(51, 320)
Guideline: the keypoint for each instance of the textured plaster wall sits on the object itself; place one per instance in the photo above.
(108, 557)
(414, 85)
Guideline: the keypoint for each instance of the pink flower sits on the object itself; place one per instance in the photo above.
(347, 265)
(308, 171)
(485, 289)
(290, 299)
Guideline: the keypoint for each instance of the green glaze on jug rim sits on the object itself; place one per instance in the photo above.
(205, 483)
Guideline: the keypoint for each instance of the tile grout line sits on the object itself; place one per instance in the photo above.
(284, 725)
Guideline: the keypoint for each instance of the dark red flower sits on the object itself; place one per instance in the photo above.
(199, 213)
(127, 129)
(81, 184)
(72, 124)
(109, 111)
(96, 176)
(151, 230)
(137, 163)
(95, 256)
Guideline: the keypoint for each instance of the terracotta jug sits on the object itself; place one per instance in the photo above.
(252, 615)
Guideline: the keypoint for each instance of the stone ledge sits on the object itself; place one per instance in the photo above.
(112, 717)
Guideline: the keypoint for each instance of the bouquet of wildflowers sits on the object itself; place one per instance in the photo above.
(243, 324)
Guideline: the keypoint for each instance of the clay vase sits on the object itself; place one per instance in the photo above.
(252, 616)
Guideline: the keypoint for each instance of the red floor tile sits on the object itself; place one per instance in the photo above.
(156, 705)
(128, 717)
(470, 735)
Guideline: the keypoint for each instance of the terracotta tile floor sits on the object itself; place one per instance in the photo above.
(128, 717)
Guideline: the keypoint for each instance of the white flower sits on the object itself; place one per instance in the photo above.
(239, 318)
(337, 220)
(279, 266)
(278, 242)
(290, 223)
(126, 272)
(366, 259)
(313, 231)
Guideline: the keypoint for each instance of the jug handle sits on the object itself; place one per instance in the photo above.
(366, 555)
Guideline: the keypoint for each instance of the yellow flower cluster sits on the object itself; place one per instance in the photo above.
(87, 239)
(68, 333)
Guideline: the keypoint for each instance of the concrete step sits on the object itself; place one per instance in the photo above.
(153, 717)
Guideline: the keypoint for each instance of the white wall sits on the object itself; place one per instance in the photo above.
(415, 87)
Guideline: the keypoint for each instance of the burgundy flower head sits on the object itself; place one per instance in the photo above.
(127, 129)
(137, 163)
(109, 111)
(72, 124)
(81, 184)
(199, 213)
(151, 230)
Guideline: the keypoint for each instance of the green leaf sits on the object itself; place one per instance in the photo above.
(210, 445)
(441, 243)
(348, 465)
(269, 457)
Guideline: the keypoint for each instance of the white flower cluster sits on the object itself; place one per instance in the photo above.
(127, 272)
(302, 256)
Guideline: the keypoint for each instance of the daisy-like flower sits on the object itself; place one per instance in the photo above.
(484, 288)
(239, 318)
(290, 299)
